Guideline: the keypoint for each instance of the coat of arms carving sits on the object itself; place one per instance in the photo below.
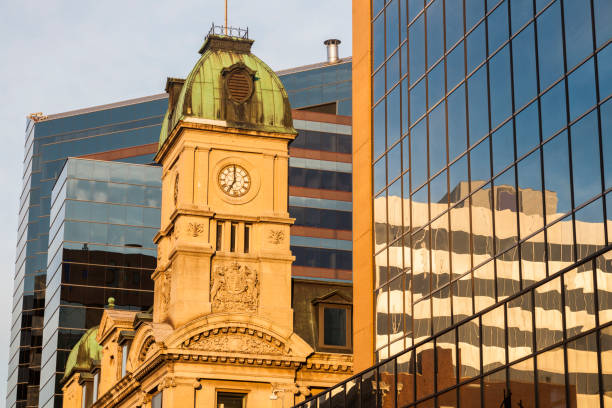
(234, 287)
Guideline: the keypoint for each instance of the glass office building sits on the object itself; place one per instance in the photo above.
(128, 131)
(103, 219)
(322, 87)
(48, 142)
(491, 147)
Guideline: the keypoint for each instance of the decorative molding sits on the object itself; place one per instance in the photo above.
(176, 189)
(276, 236)
(167, 382)
(195, 228)
(146, 349)
(164, 289)
(237, 340)
(234, 288)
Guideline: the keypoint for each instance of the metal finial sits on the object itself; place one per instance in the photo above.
(111, 302)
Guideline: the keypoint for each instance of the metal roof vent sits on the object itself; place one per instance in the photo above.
(332, 50)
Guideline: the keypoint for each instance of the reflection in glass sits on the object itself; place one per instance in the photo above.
(425, 367)
(405, 378)
(520, 319)
(469, 395)
(494, 389)
(484, 286)
(560, 237)
(439, 252)
(524, 67)
(446, 360)
(579, 307)
(533, 260)
(578, 34)
(582, 371)
(556, 173)
(551, 379)
(477, 105)
(469, 349)
(441, 309)
(590, 231)
(422, 320)
(548, 318)
(605, 350)
(521, 380)
(493, 339)
(382, 325)
(499, 82)
(604, 287)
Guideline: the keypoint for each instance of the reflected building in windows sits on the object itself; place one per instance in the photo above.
(482, 136)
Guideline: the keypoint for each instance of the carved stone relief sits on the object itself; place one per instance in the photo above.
(164, 289)
(276, 236)
(195, 228)
(235, 343)
(234, 288)
(237, 340)
(176, 188)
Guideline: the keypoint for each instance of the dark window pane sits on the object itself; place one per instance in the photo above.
(334, 326)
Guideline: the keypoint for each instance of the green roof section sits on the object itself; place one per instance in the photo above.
(205, 95)
(84, 353)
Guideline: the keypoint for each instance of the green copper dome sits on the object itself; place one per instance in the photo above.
(84, 353)
(230, 86)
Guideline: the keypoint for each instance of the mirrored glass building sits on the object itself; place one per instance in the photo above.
(483, 263)
(103, 219)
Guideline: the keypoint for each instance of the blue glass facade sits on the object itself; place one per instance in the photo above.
(48, 143)
(103, 219)
(320, 84)
(492, 205)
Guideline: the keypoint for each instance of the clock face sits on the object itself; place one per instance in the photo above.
(234, 180)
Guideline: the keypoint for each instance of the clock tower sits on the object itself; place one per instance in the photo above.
(223, 245)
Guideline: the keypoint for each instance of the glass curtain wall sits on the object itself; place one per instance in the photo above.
(492, 173)
(103, 219)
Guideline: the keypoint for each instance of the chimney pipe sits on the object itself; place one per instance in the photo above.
(332, 50)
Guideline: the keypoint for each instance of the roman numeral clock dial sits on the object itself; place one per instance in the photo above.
(234, 180)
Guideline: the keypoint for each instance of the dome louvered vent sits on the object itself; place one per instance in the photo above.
(239, 85)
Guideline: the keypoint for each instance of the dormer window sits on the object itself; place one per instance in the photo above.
(334, 317)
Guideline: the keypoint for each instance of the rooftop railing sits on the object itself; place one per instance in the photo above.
(229, 31)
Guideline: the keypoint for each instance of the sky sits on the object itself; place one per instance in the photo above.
(57, 56)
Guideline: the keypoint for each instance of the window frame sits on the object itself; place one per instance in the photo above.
(321, 322)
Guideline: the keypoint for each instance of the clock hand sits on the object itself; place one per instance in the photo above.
(234, 179)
